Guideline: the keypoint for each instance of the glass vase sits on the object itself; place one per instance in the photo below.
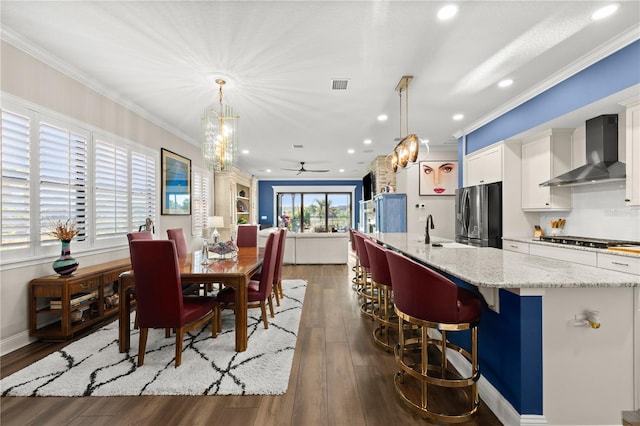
(65, 264)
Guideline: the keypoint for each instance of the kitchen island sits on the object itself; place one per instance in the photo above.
(540, 359)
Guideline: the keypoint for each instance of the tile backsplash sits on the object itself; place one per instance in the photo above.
(598, 211)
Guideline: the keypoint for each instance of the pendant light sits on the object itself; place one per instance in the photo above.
(406, 151)
(219, 134)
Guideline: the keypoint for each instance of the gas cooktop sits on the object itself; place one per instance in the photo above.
(585, 241)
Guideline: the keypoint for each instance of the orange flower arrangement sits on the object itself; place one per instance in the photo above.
(66, 230)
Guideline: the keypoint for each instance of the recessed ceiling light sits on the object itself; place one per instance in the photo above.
(351, 151)
(341, 170)
(245, 151)
(505, 83)
(603, 12)
(458, 117)
(447, 12)
(367, 141)
(268, 170)
(382, 117)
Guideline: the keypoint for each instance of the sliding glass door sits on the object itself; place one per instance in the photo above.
(314, 212)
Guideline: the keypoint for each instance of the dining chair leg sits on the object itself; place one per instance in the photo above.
(280, 289)
(263, 308)
(179, 337)
(271, 306)
(142, 345)
(276, 293)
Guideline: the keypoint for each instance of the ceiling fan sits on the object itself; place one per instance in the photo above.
(302, 169)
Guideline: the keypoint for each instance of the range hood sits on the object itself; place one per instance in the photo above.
(602, 156)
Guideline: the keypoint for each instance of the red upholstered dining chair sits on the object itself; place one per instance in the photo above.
(247, 236)
(277, 273)
(177, 235)
(159, 295)
(427, 300)
(142, 235)
(258, 291)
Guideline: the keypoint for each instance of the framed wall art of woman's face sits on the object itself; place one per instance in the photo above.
(438, 177)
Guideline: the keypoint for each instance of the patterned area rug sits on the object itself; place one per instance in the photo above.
(93, 366)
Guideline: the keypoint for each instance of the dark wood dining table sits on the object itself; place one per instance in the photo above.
(234, 273)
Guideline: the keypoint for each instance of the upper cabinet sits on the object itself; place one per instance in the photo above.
(543, 157)
(632, 196)
(484, 166)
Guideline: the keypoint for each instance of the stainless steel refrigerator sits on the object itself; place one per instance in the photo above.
(479, 215)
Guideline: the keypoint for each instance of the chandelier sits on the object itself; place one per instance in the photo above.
(407, 149)
(219, 135)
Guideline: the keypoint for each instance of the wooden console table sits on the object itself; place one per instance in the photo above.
(56, 324)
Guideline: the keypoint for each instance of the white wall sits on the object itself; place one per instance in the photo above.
(25, 77)
(441, 207)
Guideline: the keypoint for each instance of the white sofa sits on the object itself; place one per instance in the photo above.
(312, 247)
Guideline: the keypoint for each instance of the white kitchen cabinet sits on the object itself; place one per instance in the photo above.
(583, 257)
(516, 246)
(632, 196)
(546, 156)
(630, 265)
(484, 166)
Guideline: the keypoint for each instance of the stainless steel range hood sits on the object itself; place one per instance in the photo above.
(602, 156)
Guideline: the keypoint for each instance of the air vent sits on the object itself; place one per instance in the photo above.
(339, 84)
(294, 146)
(367, 151)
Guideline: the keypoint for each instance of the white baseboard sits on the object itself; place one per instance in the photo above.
(498, 404)
(14, 342)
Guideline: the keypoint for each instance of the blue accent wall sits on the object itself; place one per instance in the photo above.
(265, 194)
(610, 75)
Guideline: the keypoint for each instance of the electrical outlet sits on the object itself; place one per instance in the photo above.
(422, 219)
(263, 217)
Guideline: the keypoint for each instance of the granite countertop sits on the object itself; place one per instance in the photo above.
(531, 240)
(494, 268)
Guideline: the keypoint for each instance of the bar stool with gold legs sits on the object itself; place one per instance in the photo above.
(385, 332)
(366, 289)
(429, 300)
(355, 281)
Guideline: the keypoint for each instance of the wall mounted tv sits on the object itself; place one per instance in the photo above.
(367, 186)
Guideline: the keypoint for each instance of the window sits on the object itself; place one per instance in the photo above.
(199, 201)
(16, 181)
(63, 179)
(315, 212)
(48, 167)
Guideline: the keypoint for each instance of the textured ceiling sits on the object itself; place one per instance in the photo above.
(283, 55)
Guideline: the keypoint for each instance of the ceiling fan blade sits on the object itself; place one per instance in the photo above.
(307, 170)
(292, 170)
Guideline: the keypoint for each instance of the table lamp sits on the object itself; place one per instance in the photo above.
(215, 222)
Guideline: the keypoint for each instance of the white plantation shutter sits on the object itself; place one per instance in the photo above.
(112, 190)
(200, 201)
(15, 155)
(143, 189)
(63, 179)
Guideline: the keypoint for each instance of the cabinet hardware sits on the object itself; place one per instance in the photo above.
(626, 200)
(620, 264)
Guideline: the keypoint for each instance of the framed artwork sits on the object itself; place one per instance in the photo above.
(438, 177)
(176, 184)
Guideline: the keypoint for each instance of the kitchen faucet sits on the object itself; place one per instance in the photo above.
(427, 239)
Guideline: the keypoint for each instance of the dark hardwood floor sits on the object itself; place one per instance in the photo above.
(339, 377)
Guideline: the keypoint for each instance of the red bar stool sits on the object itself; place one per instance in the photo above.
(356, 268)
(429, 300)
(366, 289)
(385, 333)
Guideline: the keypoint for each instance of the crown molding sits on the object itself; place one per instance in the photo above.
(599, 53)
(20, 42)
